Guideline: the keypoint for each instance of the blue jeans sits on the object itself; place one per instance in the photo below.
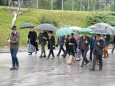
(13, 52)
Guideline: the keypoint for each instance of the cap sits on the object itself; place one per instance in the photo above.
(13, 28)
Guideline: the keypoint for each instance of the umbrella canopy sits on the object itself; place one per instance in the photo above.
(74, 28)
(98, 31)
(64, 31)
(47, 27)
(85, 30)
(103, 27)
(27, 25)
(92, 27)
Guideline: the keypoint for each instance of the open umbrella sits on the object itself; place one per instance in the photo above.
(47, 27)
(85, 30)
(98, 31)
(64, 31)
(27, 25)
(74, 28)
(104, 27)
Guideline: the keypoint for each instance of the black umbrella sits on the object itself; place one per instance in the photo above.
(27, 25)
(47, 27)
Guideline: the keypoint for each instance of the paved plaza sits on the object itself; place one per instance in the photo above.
(34, 71)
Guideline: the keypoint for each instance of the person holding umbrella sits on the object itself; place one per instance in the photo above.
(42, 37)
(84, 47)
(13, 40)
(71, 48)
(97, 52)
(32, 36)
(51, 44)
(61, 40)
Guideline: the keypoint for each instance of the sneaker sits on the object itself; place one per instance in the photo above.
(30, 54)
(36, 52)
(13, 68)
(44, 56)
(87, 63)
(57, 55)
(100, 69)
(40, 56)
(82, 65)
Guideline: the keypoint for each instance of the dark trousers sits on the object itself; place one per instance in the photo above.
(91, 52)
(43, 49)
(13, 52)
(95, 58)
(84, 53)
(113, 48)
(61, 48)
(51, 52)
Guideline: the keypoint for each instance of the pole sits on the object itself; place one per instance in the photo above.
(88, 6)
(80, 5)
(37, 4)
(62, 4)
(73, 5)
(51, 4)
(113, 5)
(94, 5)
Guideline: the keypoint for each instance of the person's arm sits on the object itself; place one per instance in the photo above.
(100, 44)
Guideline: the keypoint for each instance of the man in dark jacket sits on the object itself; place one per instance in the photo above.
(98, 52)
(84, 47)
(43, 36)
(51, 44)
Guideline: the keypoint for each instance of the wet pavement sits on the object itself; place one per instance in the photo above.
(35, 71)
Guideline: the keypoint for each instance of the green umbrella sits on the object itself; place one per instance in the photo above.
(85, 30)
(64, 31)
(75, 28)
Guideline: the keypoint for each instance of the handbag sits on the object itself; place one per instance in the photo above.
(69, 60)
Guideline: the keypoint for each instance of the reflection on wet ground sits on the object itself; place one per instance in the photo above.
(54, 72)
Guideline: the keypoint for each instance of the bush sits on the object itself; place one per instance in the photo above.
(101, 17)
(48, 19)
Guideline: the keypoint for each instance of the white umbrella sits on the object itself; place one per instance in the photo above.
(104, 27)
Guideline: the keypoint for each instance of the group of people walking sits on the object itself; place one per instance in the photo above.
(75, 46)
